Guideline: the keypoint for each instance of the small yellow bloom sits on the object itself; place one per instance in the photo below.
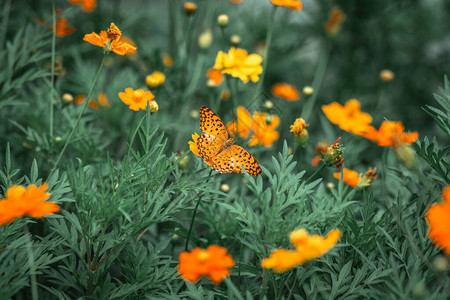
(299, 130)
(335, 20)
(387, 75)
(155, 79)
(190, 8)
(167, 60)
(307, 247)
(239, 64)
(222, 20)
(136, 99)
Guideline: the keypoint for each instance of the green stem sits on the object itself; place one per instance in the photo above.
(52, 74)
(265, 284)
(239, 266)
(315, 173)
(266, 52)
(317, 81)
(85, 104)
(4, 26)
(196, 74)
(31, 263)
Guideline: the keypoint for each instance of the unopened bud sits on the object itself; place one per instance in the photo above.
(67, 98)
(153, 106)
(190, 8)
(205, 39)
(235, 39)
(268, 104)
(387, 75)
(222, 20)
(308, 91)
(225, 188)
(407, 156)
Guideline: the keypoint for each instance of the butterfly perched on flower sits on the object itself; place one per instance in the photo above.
(218, 150)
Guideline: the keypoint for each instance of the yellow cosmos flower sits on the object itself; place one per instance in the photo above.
(239, 64)
(155, 79)
(292, 4)
(307, 247)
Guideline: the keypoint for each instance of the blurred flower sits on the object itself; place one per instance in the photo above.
(67, 98)
(268, 105)
(205, 39)
(244, 125)
(321, 147)
(225, 188)
(307, 247)
(387, 75)
(132, 55)
(194, 148)
(102, 100)
(264, 131)
(136, 99)
(237, 1)
(438, 218)
(190, 8)
(110, 41)
(215, 77)
(406, 155)
(390, 134)
(79, 99)
(155, 79)
(222, 20)
(308, 91)
(335, 20)
(350, 177)
(285, 91)
(239, 64)
(194, 114)
(21, 201)
(167, 60)
(213, 262)
(235, 39)
(300, 132)
(367, 178)
(292, 4)
(61, 26)
(348, 117)
(86, 5)
(225, 95)
(183, 162)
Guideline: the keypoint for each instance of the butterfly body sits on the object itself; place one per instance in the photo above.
(219, 150)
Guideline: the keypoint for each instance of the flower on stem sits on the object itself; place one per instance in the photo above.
(239, 64)
(62, 28)
(214, 262)
(438, 218)
(155, 79)
(353, 179)
(136, 99)
(335, 20)
(167, 60)
(348, 117)
(215, 77)
(300, 132)
(330, 155)
(390, 134)
(244, 125)
(21, 201)
(86, 5)
(189, 8)
(307, 247)
(292, 4)
(285, 91)
(110, 41)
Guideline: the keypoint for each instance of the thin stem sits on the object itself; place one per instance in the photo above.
(317, 81)
(265, 283)
(315, 173)
(31, 263)
(4, 26)
(85, 104)
(266, 52)
(52, 74)
(239, 266)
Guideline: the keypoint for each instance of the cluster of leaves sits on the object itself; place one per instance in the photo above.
(126, 207)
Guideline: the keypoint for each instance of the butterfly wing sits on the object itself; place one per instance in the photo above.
(211, 123)
(208, 146)
(230, 160)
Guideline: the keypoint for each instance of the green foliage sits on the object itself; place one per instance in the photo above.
(132, 196)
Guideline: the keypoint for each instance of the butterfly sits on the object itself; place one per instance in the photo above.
(219, 150)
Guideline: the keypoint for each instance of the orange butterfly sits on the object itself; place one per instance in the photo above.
(218, 150)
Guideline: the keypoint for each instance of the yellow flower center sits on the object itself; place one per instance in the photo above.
(138, 94)
(203, 256)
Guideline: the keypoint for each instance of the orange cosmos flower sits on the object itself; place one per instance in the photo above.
(215, 77)
(136, 99)
(285, 91)
(438, 218)
(21, 201)
(391, 134)
(350, 177)
(213, 262)
(335, 20)
(239, 64)
(264, 133)
(62, 28)
(348, 117)
(86, 5)
(245, 123)
(167, 60)
(307, 247)
(110, 41)
(292, 4)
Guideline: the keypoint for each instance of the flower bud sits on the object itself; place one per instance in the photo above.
(67, 98)
(268, 105)
(387, 75)
(300, 132)
(407, 156)
(308, 91)
(235, 39)
(225, 188)
(194, 114)
(190, 8)
(222, 20)
(153, 106)
(205, 39)
(333, 155)
(368, 177)
(440, 263)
